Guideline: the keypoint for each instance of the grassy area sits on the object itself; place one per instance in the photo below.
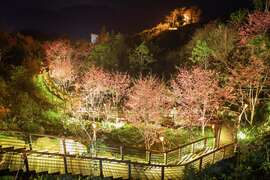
(44, 93)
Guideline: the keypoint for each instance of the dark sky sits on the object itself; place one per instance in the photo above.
(78, 18)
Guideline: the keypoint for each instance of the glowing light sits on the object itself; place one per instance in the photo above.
(186, 18)
(173, 28)
(94, 125)
(119, 124)
(241, 135)
(161, 138)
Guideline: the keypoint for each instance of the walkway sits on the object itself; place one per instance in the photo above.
(22, 156)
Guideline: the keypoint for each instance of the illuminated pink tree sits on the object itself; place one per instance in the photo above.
(257, 23)
(58, 58)
(198, 96)
(94, 88)
(248, 81)
(146, 106)
(119, 87)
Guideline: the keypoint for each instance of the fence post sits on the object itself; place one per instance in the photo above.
(200, 164)
(205, 143)
(165, 158)
(148, 157)
(100, 169)
(121, 153)
(215, 142)
(129, 170)
(180, 154)
(162, 173)
(65, 157)
(224, 151)
(25, 161)
(214, 155)
(218, 136)
(30, 142)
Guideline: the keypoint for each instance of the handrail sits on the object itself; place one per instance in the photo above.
(117, 160)
(173, 156)
(152, 151)
(207, 154)
(187, 144)
(34, 134)
(129, 169)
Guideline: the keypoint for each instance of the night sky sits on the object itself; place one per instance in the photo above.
(78, 18)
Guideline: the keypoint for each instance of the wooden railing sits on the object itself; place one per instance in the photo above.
(95, 166)
(28, 158)
(212, 157)
(173, 156)
(61, 144)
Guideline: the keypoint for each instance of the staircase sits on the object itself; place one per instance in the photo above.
(20, 157)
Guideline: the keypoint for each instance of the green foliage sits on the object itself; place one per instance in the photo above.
(22, 49)
(201, 52)
(4, 92)
(20, 77)
(211, 46)
(238, 17)
(141, 58)
(259, 4)
(52, 116)
(44, 93)
(127, 135)
(260, 46)
(190, 173)
(110, 54)
(29, 105)
(25, 112)
(176, 137)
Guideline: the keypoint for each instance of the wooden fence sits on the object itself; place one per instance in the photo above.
(26, 157)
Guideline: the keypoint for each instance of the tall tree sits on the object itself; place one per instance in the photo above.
(147, 104)
(59, 61)
(257, 23)
(111, 54)
(198, 96)
(94, 88)
(141, 58)
(248, 81)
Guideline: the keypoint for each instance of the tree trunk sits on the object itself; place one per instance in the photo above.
(203, 130)
(252, 114)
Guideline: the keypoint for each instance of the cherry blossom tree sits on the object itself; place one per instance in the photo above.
(257, 23)
(59, 62)
(248, 81)
(198, 96)
(118, 87)
(147, 104)
(94, 88)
